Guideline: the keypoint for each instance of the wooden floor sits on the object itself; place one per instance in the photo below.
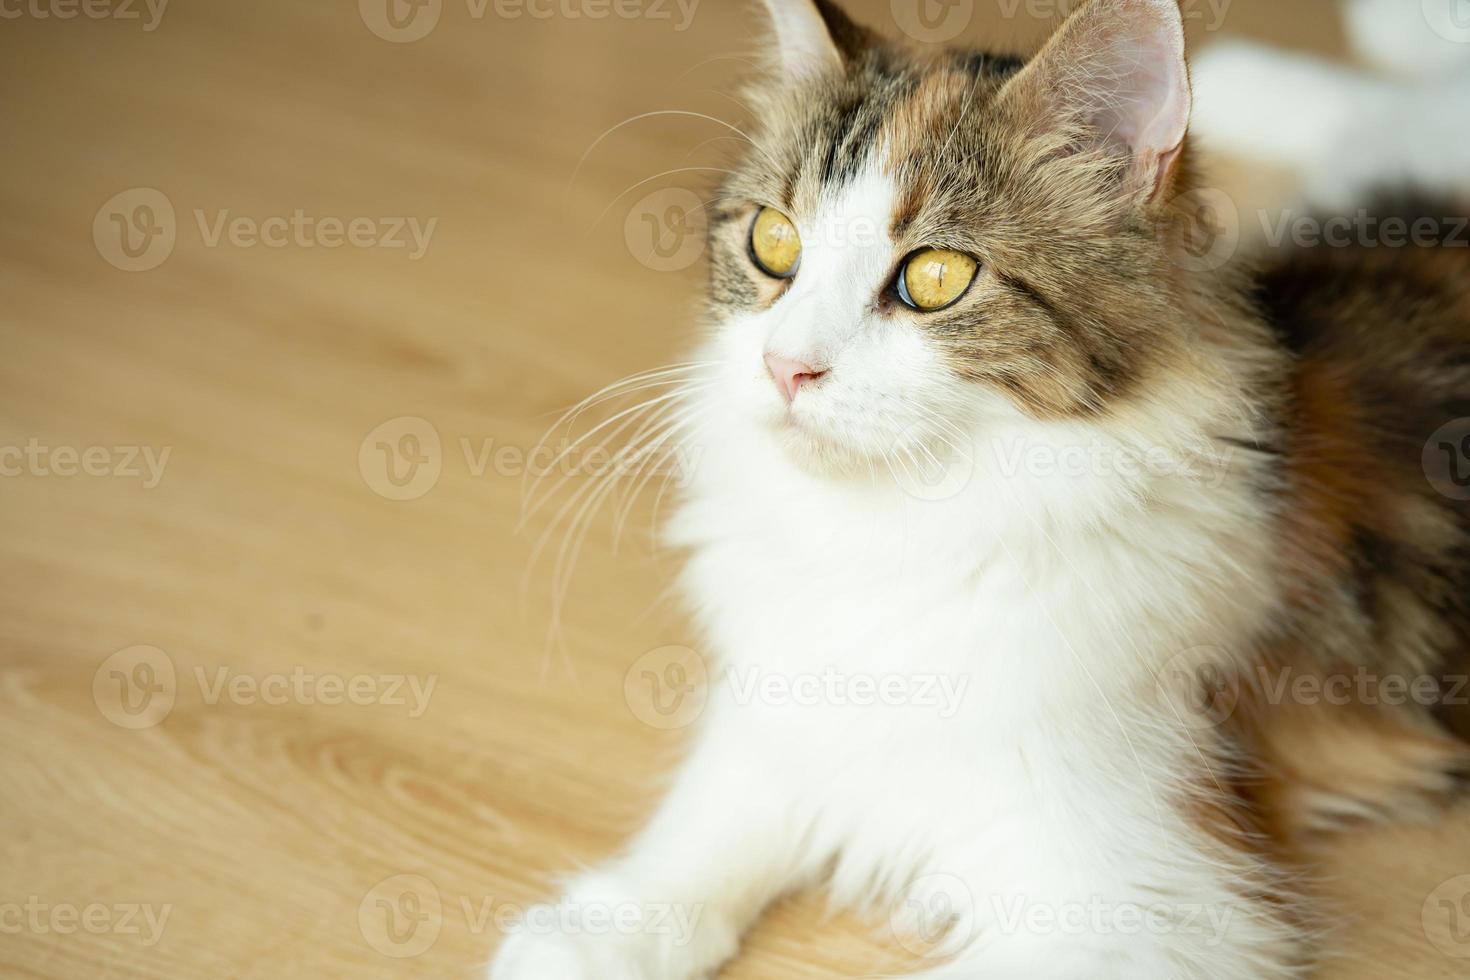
(262, 718)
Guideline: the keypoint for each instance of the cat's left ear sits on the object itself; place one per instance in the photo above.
(814, 36)
(1114, 77)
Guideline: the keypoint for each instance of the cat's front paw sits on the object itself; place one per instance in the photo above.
(532, 957)
(628, 943)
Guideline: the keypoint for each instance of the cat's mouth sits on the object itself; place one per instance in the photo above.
(820, 446)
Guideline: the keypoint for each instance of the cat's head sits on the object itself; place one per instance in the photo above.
(918, 240)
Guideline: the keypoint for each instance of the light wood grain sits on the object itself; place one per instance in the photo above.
(264, 829)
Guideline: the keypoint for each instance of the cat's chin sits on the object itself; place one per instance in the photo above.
(823, 455)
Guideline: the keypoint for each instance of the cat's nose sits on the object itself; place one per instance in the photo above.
(790, 375)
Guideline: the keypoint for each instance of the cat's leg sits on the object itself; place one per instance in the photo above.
(673, 907)
(1213, 933)
(1123, 877)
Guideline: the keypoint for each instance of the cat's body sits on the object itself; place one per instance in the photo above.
(1138, 474)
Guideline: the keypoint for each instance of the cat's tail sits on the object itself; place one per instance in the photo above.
(1347, 132)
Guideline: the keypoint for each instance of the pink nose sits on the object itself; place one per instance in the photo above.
(790, 375)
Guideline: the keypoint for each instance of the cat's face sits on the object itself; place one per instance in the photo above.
(914, 242)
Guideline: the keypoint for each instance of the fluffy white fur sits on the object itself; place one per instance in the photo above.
(1054, 789)
(1350, 132)
(893, 521)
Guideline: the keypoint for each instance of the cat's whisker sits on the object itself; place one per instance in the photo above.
(635, 412)
(651, 468)
(631, 384)
(712, 140)
(570, 551)
(648, 180)
(577, 170)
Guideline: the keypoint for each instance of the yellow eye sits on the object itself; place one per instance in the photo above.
(775, 244)
(935, 278)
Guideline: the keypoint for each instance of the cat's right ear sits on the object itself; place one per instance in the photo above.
(814, 37)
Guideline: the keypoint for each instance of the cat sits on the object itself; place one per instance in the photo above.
(1350, 133)
(974, 413)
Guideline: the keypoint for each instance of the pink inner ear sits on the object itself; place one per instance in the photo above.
(805, 45)
(1141, 86)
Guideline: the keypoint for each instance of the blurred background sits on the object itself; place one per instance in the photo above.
(291, 293)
